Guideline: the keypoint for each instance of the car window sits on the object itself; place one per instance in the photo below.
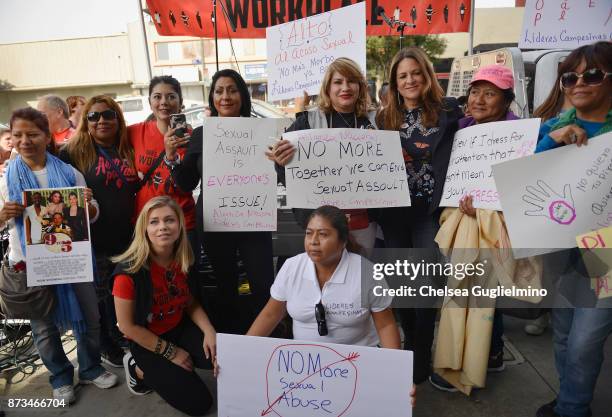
(131, 105)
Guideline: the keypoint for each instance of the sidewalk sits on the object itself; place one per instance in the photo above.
(516, 392)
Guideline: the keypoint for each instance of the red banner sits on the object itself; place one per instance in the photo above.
(252, 17)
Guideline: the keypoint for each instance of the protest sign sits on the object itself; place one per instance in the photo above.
(251, 18)
(565, 24)
(598, 259)
(346, 168)
(475, 149)
(299, 52)
(239, 182)
(290, 378)
(56, 232)
(550, 198)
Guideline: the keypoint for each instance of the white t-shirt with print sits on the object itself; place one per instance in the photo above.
(347, 322)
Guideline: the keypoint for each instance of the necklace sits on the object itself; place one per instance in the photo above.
(347, 124)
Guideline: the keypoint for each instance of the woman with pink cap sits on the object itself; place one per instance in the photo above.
(489, 96)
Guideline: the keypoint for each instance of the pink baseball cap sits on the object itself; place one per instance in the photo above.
(497, 75)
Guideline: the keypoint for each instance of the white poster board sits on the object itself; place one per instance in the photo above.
(56, 232)
(300, 51)
(290, 378)
(551, 197)
(346, 168)
(475, 149)
(238, 181)
(565, 24)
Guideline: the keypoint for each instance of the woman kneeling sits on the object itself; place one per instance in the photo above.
(169, 332)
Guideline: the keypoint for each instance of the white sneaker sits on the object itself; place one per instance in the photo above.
(104, 381)
(538, 326)
(65, 393)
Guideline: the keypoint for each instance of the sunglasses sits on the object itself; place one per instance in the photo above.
(320, 316)
(170, 275)
(94, 116)
(593, 76)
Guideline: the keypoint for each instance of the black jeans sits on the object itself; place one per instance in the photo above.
(180, 388)
(405, 227)
(255, 250)
(109, 333)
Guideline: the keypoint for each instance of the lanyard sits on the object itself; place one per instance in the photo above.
(113, 165)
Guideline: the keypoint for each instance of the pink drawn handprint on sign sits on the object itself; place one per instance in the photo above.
(544, 201)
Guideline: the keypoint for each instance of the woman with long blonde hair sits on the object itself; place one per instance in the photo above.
(100, 150)
(157, 310)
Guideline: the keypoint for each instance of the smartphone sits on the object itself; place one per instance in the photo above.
(178, 122)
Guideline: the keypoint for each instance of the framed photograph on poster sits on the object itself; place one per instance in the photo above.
(56, 227)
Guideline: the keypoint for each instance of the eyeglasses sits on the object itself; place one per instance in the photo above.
(593, 76)
(320, 316)
(170, 275)
(94, 116)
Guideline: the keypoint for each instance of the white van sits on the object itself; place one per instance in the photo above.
(136, 108)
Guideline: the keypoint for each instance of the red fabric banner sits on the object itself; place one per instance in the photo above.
(194, 17)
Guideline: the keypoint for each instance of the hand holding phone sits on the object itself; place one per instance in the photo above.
(179, 123)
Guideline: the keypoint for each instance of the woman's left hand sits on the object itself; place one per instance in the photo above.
(466, 207)
(88, 195)
(210, 348)
(413, 395)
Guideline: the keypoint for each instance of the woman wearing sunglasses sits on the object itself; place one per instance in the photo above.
(169, 332)
(75, 304)
(100, 150)
(579, 334)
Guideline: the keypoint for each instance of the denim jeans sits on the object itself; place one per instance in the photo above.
(578, 336)
(497, 343)
(47, 339)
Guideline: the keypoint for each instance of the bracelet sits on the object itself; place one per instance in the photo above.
(172, 164)
(158, 346)
(166, 348)
(169, 352)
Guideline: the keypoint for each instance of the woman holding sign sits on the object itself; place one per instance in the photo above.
(579, 334)
(229, 97)
(489, 96)
(169, 332)
(343, 103)
(427, 122)
(75, 304)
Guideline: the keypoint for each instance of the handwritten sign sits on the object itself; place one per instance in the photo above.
(599, 244)
(565, 24)
(347, 168)
(299, 52)
(299, 379)
(56, 228)
(238, 181)
(475, 149)
(550, 198)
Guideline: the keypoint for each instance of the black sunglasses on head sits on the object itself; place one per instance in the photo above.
(593, 76)
(94, 116)
(320, 316)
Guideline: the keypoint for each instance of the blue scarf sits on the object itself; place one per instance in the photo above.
(67, 313)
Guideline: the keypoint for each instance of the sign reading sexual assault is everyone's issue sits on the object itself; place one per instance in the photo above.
(565, 24)
(293, 378)
(551, 197)
(299, 52)
(238, 181)
(346, 168)
(56, 236)
(475, 149)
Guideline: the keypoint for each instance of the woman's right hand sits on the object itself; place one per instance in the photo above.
(302, 102)
(182, 359)
(281, 152)
(569, 135)
(173, 142)
(11, 210)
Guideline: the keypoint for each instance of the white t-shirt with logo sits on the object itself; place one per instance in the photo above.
(347, 322)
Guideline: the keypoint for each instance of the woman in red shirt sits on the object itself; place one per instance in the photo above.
(147, 138)
(169, 332)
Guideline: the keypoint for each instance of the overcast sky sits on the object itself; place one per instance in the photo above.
(35, 20)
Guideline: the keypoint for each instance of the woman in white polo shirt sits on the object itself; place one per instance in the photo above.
(321, 291)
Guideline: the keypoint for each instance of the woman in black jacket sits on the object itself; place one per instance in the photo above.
(427, 122)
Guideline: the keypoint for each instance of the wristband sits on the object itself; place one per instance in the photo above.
(166, 348)
(172, 164)
(158, 346)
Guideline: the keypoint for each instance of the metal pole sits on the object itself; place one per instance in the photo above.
(472, 18)
(216, 36)
(144, 34)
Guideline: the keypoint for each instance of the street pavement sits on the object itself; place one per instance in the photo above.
(516, 392)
